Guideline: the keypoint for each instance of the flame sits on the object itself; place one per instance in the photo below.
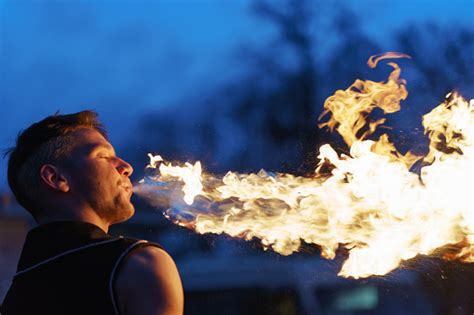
(371, 204)
(189, 174)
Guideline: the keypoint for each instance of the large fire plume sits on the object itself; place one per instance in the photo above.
(368, 202)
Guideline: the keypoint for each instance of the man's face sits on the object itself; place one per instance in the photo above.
(98, 178)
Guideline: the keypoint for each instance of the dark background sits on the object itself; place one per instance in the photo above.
(239, 85)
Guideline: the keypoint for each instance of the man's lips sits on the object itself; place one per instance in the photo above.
(128, 188)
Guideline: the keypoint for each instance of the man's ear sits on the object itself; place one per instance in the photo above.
(55, 180)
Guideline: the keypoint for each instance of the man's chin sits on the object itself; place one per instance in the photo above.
(125, 214)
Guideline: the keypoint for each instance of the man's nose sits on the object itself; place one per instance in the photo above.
(124, 168)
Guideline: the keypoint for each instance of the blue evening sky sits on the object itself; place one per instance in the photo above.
(127, 58)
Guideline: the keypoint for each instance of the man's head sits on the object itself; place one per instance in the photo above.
(65, 163)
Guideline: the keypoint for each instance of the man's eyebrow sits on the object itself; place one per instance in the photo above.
(97, 146)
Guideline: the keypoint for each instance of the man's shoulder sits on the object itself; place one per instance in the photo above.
(149, 279)
(146, 259)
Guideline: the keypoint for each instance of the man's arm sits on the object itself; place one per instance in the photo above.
(149, 284)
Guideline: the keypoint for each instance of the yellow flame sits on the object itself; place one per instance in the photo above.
(374, 60)
(370, 204)
(189, 174)
(349, 108)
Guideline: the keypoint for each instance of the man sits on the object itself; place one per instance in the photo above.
(66, 174)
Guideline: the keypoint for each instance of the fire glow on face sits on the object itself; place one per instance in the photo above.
(371, 203)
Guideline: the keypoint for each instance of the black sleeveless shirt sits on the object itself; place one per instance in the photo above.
(68, 268)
